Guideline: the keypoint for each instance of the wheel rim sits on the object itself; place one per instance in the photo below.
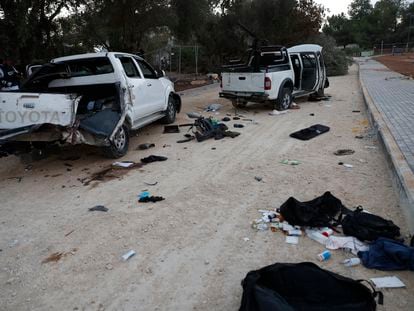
(120, 139)
(171, 110)
(286, 101)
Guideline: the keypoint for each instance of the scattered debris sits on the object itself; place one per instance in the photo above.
(55, 257)
(351, 262)
(186, 125)
(98, 208)
(359, 137)
(292, 240)
(128, 255)
(371, 147)
(290, 162)
(277, 112)
(124, 164)
(324, 256)
(69, 233)
(188, 139)
(151, 199)
(246, 239)
(345, 165)
(356, 111)
(28, 168)
(310, 132)
(344, 152)
(259, 179)
(194, 115)
(239, 126)
(153, 158)
(171, 129)
(213, 107)
(226, 119)
(312, 114)
(145, 146)
(236, 118)
(151, 184)
(388, 282)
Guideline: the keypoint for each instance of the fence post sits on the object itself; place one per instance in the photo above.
(382, 47)
(179, 62)
(196, 58)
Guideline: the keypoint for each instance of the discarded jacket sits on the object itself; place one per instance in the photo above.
(310, 132)
(368, 227)
(385, 254)
(319, 212)
(304, 286)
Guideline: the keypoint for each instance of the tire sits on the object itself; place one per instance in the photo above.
(285, 99)
(119, 147)
(171, 112)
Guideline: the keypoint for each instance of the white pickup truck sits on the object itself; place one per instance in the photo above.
(93, 99)
(276, 75)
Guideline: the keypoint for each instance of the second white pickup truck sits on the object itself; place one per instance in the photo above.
(93, 99)
(276, 75)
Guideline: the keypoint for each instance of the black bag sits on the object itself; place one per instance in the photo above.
(304, 286)
(319, 212)
(310, 132)
(368, 227)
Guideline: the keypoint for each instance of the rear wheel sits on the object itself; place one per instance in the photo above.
(119, 146)
(171, 112)
(285, 100)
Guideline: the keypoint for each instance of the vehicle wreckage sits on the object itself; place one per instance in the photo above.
(94, 99)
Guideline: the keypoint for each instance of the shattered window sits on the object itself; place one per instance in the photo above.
(90, 67)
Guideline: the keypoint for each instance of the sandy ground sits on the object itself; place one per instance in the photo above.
(191, 252)
(403, 64)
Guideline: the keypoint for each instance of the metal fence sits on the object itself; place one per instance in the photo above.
(393, 48)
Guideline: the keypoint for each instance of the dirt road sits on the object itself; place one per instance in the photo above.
(191, 248)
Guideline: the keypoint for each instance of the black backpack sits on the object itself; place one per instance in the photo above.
(304, 286)
(368, 227)
(319, 212)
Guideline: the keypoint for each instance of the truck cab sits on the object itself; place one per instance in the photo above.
(276, 75)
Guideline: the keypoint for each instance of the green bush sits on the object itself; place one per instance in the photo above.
(336, 60)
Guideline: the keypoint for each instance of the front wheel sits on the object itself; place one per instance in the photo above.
(285, 100)
(171, 112)
(119, 146)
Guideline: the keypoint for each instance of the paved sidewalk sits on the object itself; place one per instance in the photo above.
(394, 97)
(390, 100)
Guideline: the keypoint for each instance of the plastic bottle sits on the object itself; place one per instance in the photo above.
(317, 236)
(351, 262)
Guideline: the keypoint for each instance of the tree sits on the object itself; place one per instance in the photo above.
(36, 41)
(340, 28)
(359, 9)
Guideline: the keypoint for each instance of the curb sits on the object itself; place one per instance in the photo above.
(403, 177)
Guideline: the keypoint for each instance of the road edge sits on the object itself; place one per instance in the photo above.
(403, 177)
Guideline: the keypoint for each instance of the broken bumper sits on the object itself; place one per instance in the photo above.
(253, 97)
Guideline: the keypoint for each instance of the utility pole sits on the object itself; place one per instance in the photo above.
(382, 47)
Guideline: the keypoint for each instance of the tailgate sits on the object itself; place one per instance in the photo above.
(243, 82)
(18, 110)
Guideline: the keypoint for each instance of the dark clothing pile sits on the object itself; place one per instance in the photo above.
(385, 254)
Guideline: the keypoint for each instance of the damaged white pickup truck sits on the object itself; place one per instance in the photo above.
(93, 99)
